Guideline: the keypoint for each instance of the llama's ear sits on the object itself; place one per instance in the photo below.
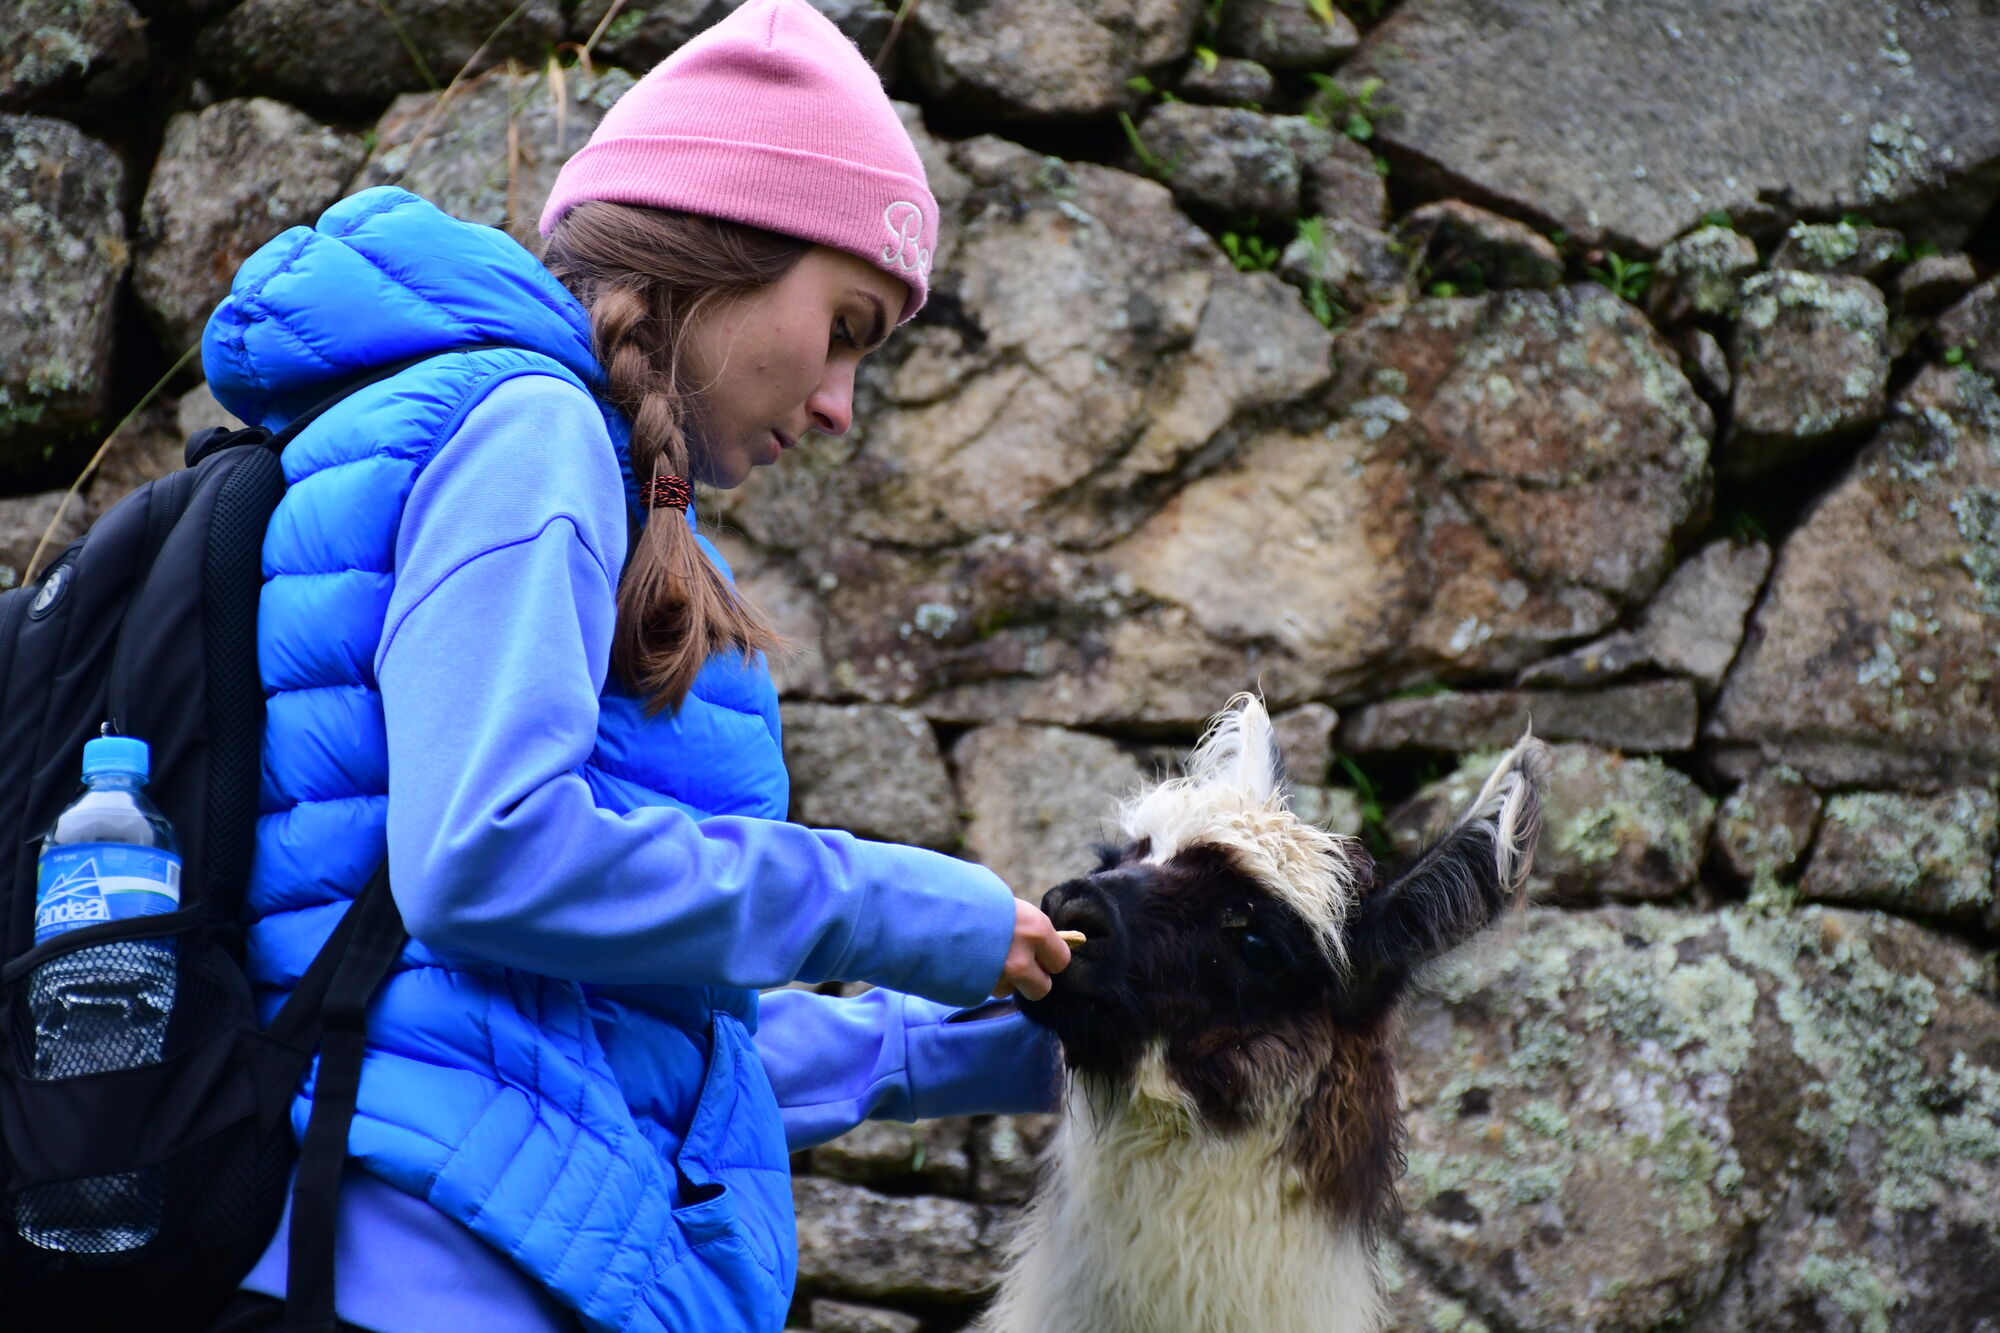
(1240, 751)
(1461, 884)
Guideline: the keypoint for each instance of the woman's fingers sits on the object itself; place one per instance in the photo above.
(1037, 952)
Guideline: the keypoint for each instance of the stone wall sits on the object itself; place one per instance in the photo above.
(1432, 367)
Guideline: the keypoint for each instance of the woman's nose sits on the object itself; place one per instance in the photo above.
(831, 405)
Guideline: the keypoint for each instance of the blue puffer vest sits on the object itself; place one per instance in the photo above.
(622, 1145)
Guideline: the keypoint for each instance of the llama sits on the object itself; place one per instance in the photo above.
(1230, 1132)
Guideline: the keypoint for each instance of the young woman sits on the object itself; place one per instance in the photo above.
(497, 652)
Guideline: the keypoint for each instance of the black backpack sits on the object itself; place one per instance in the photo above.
(148, 624)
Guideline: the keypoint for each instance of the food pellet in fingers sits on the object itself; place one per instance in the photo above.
(1070, 937)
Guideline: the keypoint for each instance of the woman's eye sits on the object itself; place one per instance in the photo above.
(842, 333)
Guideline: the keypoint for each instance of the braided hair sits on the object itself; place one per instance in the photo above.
(647, 276)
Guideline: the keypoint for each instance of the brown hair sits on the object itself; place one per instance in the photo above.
(647, 275)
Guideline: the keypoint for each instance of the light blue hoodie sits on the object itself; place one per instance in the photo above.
(565, 1066)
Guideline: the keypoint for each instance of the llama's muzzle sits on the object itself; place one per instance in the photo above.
(1086, 918)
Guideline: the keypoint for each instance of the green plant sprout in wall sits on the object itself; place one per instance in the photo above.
(1247, 250)
(1319, 300)
(1356, 112)
(1627, 279)
(1149, 161)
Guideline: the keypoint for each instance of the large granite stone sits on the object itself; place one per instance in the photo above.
(1457, 241)
(841, 1317)
(1971, 329)
(1613, 827)
(1229, 81)
(873, 771)
(1635, 1119)
(1693, 627)
(1811, 357)
(69, 53)
(643, 34)
(1286, 34)
(853, 1242)
(1934, 282)
(1764, 828)
(1016, 59)
(1041, 799)
(489, 152)
(229, 178)
(1659, 716)
(1627, 127)
(1305, 741)
(1838, 247)
(1702, 273)
(1357, 266)
(1004, 1153)
(1231, 162)
(25, 520)
(1869, 661)
(1929, 856)
(62, 253)
(1570, 452)
(932, 1156)
(354, 55)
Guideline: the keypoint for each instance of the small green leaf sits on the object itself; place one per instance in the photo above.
(1324, 85)
(1322, 9)
(1381, 165)
(1718, 218)
(1147, 158)
(1358, 128)
(1953, 356)
(1140, 84)
(1444, 289)
(1207, 58)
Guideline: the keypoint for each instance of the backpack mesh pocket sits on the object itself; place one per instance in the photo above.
(179, 1167)
(124, 1004)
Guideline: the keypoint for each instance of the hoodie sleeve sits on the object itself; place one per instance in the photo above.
(883, 1056)
(495, 649)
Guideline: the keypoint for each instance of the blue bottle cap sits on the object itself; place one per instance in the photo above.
(117, 754)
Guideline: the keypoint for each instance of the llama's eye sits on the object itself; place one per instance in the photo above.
(1259, 954)
(1236, 918)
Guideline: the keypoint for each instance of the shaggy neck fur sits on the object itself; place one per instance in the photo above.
(1145, 1224)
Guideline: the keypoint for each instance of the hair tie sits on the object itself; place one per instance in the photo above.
(666, 493)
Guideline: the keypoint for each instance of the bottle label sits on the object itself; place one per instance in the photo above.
(89, 882)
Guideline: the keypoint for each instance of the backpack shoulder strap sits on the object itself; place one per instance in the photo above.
(330, 1005)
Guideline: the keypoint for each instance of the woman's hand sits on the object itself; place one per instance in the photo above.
(1036, 952)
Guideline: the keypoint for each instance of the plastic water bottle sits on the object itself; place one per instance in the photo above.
(110, 856)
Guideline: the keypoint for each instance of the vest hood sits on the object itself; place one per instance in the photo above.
(383, 276)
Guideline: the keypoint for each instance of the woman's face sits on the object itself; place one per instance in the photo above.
(770, 366)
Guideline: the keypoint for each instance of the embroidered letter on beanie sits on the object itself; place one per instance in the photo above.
(905, 222)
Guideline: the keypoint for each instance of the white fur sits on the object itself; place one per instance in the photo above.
(1233, 798)
(1144, 1224)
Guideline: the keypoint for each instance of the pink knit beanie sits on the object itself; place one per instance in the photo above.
(770, 118)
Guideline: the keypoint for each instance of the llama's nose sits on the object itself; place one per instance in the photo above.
(1077, 905)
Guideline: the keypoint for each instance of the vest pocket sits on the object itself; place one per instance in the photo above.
(735, 1176)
